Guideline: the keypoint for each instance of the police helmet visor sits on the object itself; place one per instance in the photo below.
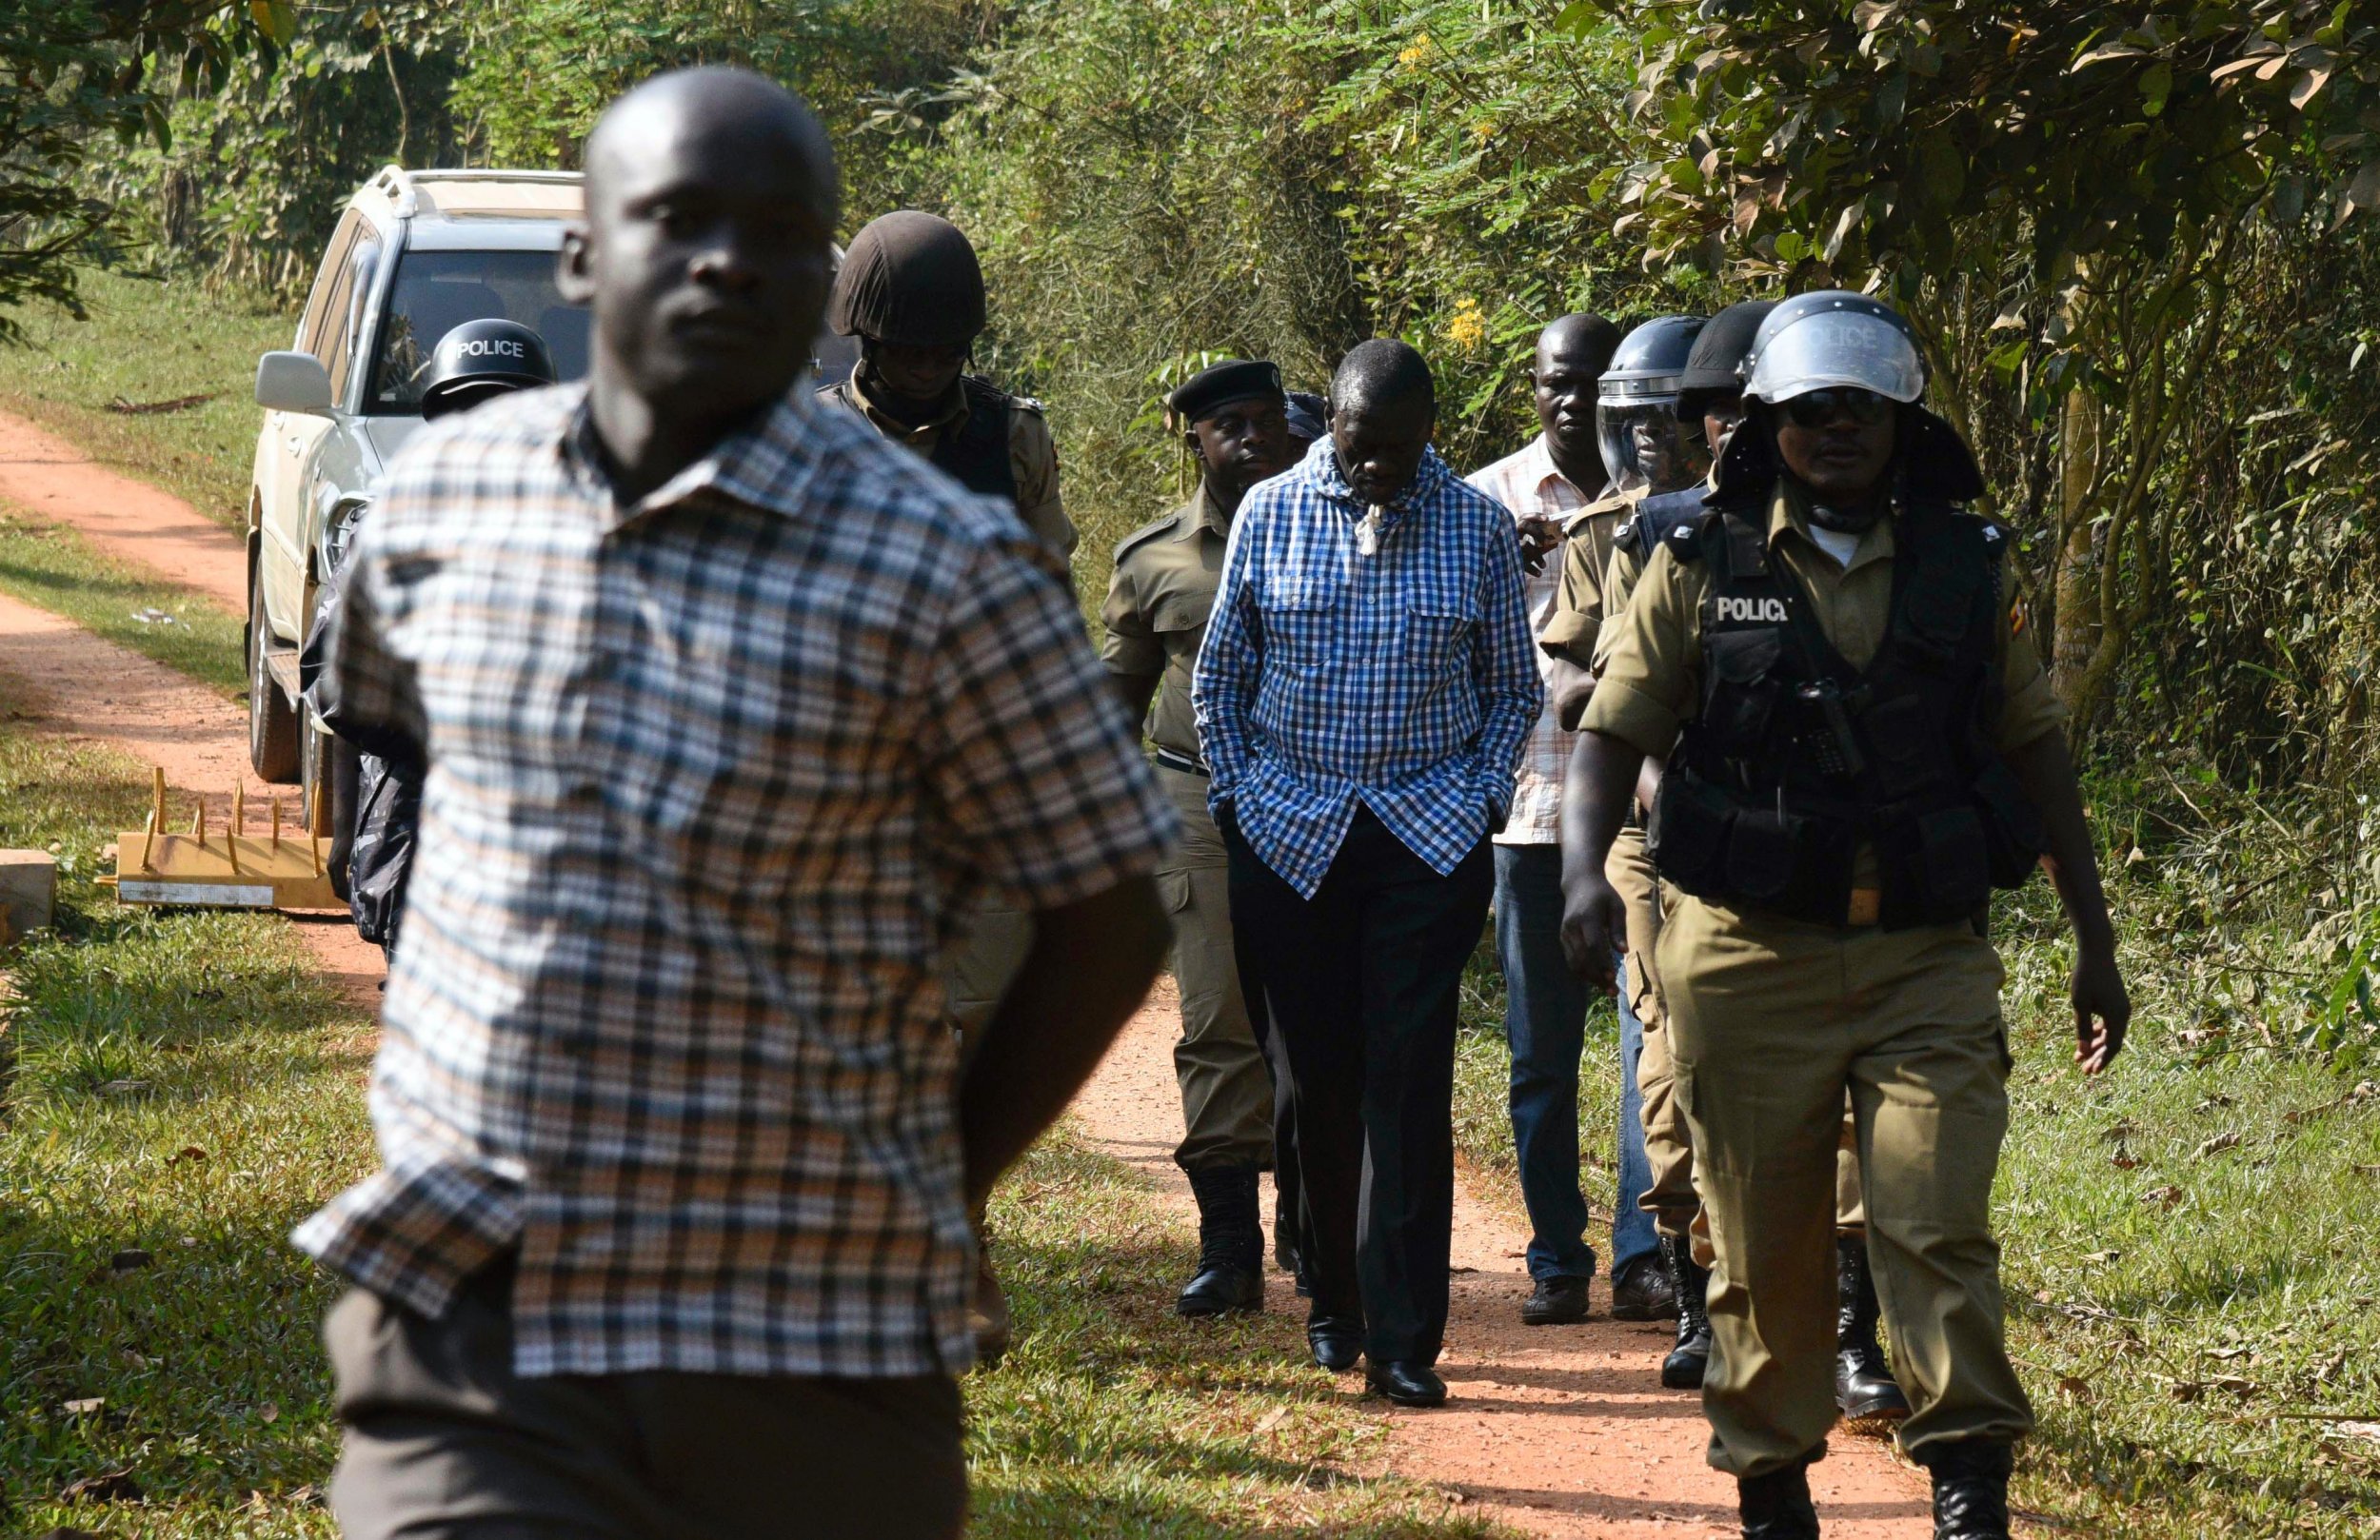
(1835, 350)
(1643, 442)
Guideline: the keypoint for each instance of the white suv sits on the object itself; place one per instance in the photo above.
(416, 254)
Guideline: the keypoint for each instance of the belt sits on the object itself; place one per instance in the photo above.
(1175, 759)
(1866, 906)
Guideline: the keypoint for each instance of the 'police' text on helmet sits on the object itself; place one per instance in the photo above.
(1833, 338)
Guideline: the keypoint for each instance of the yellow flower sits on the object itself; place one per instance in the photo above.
(1466, 329)
(1484, 129)
(1418, 52)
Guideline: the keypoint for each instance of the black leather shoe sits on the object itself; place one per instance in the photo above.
(1970, 1487)
(1409, 1385)
(1230, 1245)
(1777, 1505)
(1641, 1291)
(1864, 1388)
(1337, 1344)
(1690, 1359)
(1555, 1302)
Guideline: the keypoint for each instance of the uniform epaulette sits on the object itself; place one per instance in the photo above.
(983, 389)
(1685, 536)
(1147, 532)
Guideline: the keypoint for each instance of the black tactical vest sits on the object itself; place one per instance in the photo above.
(1658, 515)
(1798, 757)
(975, 454)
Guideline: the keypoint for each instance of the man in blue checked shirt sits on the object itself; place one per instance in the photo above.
(1365, 686)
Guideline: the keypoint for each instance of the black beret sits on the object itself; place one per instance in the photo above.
(1218, 383)
(1711, 368)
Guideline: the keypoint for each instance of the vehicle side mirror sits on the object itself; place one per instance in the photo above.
(293, 382)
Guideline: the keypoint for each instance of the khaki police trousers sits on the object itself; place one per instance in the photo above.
(1774, 1022)
(1226, 1089)
(1675, 1207)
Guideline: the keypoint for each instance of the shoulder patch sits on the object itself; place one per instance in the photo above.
(1627, 531)
(1685, 540)
(1147, 533)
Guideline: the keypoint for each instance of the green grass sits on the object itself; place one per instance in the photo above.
(137, 1038)
(54, 568)
(2192, 1361)
(151, 341)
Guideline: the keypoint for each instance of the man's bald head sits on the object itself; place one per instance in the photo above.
(1580, 339)
(1382, 372)
(1572, 353)
(710, 100)
(706, 249)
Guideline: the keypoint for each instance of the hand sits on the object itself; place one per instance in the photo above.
(1594, 919)
(2099, 991)
(1539, 537)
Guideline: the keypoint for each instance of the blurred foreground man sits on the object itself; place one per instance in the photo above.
(1860, 746)
(1363, 694)
(727, 706)
(911, 291)
(1544, 486)
(1233, 418)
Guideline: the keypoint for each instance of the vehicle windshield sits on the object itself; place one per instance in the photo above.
(437, 291)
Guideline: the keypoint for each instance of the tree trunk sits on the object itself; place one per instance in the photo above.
(2079, 623)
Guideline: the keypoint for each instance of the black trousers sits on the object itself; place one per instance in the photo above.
(1359, 987)
(445, 1442)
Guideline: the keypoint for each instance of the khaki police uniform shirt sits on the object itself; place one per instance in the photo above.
(1579, 609)
(1651, 683)
(1032, 456)
(1166, 576)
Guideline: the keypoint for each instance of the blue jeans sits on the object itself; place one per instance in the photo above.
(1545, 1023)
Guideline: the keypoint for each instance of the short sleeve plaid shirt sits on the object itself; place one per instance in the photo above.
(709, 776)
(1405, 679)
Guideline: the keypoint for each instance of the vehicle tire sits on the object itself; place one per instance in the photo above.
(272, 722)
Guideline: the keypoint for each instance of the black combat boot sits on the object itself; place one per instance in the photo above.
(1864, 1387)
(1683, 1369)
(1777, 1505)
(1970, 1487)
(1231, 1244)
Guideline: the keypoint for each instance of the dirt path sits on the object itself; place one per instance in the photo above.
(62, 680)
(1556, 1430)
(123, 517)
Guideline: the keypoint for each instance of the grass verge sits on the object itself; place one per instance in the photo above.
(2193, 1297)
(52, 567)
(179, 1090)
(148, 341)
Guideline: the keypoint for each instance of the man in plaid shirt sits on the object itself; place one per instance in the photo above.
(1362, 694)
(729, 706)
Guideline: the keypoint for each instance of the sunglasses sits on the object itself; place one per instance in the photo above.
(1817, 408)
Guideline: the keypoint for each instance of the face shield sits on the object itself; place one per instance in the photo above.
(1643, 442)
(1837, 348)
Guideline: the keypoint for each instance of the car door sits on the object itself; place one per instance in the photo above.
(332, 321)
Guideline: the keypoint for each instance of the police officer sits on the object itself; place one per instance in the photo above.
(1234, 419)
(1860, 745)
(911, 291)
(373, 843)
(1709, 398)
(1648, 452)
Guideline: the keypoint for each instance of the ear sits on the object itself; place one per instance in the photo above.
(574, 268)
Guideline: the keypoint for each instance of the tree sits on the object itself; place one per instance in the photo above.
(2063, 195)
(76, 74)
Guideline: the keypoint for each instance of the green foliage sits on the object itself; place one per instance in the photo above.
(77, 77)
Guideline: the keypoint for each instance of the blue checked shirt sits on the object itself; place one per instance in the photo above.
(1406, 679)
(709, 778)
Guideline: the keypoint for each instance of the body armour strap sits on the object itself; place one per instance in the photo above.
(1797, 760)
(977, 453)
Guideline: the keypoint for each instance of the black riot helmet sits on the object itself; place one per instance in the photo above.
(910, 279)
(1714, 369)
(1635, 408)
(480, 359)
